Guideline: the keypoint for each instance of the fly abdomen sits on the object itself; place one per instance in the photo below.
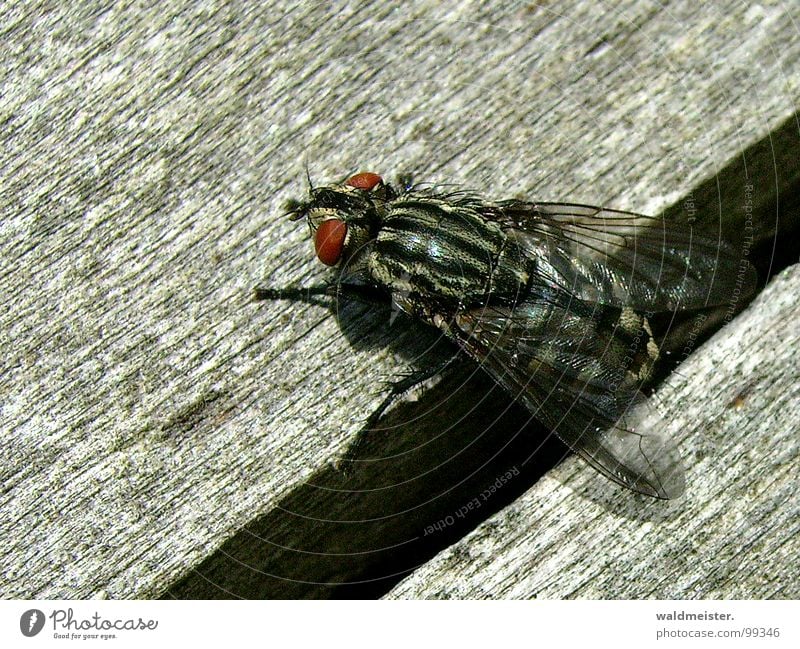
(444, 250)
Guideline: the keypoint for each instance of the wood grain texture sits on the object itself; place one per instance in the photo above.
(150, 411)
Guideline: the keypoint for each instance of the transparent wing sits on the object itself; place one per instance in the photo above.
(578, 370)
(625, 259)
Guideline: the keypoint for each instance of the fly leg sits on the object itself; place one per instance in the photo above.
(397, 389)
(312, 294)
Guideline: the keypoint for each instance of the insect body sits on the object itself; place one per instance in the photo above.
(552, 299)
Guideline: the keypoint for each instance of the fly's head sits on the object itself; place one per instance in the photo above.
(344, 216)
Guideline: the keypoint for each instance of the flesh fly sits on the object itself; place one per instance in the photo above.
(553, 300)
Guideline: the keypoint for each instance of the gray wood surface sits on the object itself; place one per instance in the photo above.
(154, 418)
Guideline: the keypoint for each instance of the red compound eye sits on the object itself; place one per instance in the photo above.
(365, 180)
(329, 241)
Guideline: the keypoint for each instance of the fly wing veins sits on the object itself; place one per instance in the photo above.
(580, 375)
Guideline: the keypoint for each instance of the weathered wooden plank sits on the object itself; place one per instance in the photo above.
(149, 410)
(734, 535)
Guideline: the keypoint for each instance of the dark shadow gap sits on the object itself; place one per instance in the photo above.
(447, 467)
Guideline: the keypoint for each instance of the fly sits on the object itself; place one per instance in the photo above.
(553, 300)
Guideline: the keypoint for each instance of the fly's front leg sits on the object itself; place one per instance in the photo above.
(397, 389)
(293, 294)
(310, 294)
